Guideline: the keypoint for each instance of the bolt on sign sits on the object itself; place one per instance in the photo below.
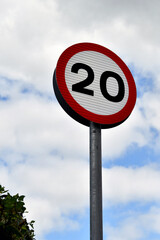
(92, 84)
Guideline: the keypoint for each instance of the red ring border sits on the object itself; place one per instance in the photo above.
(101, 119)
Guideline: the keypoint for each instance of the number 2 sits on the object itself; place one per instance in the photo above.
(80, 86)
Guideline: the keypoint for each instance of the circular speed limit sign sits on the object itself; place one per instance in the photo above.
(93, 84)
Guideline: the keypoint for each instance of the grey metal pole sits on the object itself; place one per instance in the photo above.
(96, 222)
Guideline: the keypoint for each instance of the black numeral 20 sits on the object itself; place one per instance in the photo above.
(80, 86)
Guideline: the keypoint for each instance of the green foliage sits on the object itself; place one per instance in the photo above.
(13, 226)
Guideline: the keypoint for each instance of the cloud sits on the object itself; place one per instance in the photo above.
(55, 189)
(122, 185)
(129, 29)
(34, 124)
(135, 130)
(28, 45)
(136, 226)
(35, 33)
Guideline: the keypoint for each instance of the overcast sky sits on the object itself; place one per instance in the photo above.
(44, 154)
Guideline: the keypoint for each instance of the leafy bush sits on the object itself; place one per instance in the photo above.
(13, 225)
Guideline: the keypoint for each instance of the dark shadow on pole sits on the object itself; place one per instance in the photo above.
(96, 222)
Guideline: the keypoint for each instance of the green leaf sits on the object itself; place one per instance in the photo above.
(13, 226)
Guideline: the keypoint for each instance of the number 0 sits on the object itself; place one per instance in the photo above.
(80, 86)
(103, 86)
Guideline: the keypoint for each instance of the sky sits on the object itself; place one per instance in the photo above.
(44, 153)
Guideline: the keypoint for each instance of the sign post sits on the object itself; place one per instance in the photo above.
(96, 88)
(96, 226)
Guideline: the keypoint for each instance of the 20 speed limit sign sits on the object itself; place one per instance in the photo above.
(93, 84)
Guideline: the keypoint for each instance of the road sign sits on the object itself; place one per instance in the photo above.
(93, 84)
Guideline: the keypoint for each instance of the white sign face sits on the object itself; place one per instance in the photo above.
(99, 63)
(93, 84)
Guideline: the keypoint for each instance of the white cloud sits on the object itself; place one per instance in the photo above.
(28, 46)
(135, 130)
(54, 190)
(35, 126)
(122, 185)
(151, 107)
(34, 34)
(137, 226)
